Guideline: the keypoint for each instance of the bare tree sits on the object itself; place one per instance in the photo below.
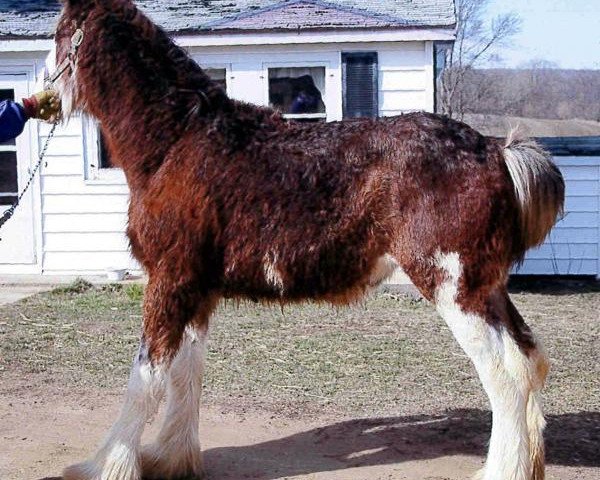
(476, 41)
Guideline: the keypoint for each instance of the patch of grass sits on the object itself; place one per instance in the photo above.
(135, 292)
(112, 288)
(74, 339)
(391, 355)
(78, 286)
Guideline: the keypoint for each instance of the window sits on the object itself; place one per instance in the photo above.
(441, 59)
(9, 181)
(360, 82)
(99, 165)
(217, 75)
(104, 159)
(298, 92)
(9, 184)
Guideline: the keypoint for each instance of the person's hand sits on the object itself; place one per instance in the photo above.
(43, 105)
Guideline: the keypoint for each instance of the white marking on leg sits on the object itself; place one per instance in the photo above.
(176, 452)
(530, 374)
(499, 364)
(118, 458)
(535, 425)
(272, 273)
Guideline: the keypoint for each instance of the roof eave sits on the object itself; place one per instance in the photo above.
(313, 36)
(221, 37)
(345, 28)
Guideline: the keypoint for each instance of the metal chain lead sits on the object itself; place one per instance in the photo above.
(7, 215)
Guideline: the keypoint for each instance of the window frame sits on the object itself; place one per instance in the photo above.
(216, 66)
(441, 53)
(219, 66)
(91, 153)
(327, 98)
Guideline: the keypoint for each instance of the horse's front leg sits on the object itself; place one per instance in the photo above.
(167, 311)
(176, 453)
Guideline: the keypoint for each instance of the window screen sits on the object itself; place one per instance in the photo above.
(105, 161)
(9, 184)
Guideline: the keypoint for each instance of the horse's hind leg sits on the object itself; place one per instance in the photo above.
(176, 452)
(166, 312)
(511, 367)
(533, 372)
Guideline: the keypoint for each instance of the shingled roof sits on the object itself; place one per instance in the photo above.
(37, 18)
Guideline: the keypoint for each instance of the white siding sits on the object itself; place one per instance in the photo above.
(86, 263)
(406, 79)
(83, 221)
(573, 247)
(405, 71)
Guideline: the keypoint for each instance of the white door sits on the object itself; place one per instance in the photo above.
(17, 248)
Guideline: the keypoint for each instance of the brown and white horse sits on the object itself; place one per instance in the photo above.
(230, 200)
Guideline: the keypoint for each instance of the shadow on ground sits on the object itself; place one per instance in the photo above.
(572, 440)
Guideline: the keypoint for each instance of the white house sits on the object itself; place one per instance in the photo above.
(348, 57)
(372, 57)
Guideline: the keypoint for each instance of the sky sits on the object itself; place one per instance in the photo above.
(563, 31)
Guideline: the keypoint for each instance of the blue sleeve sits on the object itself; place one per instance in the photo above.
(12, 120)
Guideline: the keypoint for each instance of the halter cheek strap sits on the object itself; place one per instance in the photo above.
(70, 60)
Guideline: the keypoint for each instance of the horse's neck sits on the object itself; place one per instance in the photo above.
(141, 124)
(145, 93)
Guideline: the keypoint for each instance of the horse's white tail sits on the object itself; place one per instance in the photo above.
(539, 188)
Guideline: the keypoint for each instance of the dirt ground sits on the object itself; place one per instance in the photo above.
(378, 391)
(40, 436)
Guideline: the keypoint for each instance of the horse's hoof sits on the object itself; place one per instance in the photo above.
(158, 464)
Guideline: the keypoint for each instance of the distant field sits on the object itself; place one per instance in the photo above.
(498, 126)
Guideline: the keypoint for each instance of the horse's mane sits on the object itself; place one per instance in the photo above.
(165, 62)
(156, 79)
(165, 71)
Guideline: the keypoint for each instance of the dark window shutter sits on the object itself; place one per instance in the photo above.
(361, 84)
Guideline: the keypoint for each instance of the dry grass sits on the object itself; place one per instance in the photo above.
(500, 125)
(392, 355)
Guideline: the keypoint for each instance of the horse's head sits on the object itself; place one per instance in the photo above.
(69, 49)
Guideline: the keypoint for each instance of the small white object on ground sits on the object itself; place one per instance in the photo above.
(115, 274)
